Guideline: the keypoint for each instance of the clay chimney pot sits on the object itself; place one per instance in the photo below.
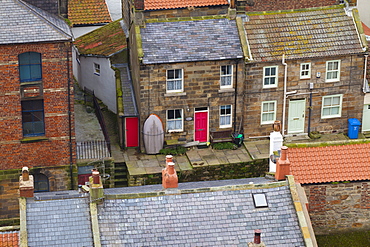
(25, 173)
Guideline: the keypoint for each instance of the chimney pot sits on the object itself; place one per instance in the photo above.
(168, 159)
(25, 173)
(282, 164)
(169, 176)
(284, 150)
(257, 236)
(96, 176)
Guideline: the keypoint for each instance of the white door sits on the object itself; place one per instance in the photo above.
(296, 116)
(366, 118)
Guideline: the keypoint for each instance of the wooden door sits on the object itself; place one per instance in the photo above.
(296, 116)
(132, 131)
(201, 127)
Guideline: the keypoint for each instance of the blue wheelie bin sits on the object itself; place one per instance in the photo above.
(353, 127)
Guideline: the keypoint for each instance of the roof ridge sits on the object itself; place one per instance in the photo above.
(30, 7)
(294, 10)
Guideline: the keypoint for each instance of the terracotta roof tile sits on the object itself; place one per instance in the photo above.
(306, 33)
(86, 12)
(104, 41)
(166, 4)
(331, 163)
(9, 239)
(366, 29)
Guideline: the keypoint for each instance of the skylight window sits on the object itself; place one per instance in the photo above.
(260, 200)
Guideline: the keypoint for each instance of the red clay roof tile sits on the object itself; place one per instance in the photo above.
(330, 164)
(366, 29)
(166, 4)
(9, 239)
(87, 12)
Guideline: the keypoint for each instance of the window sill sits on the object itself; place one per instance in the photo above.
(264, 123)
(269, 87)
(329, 117)
(226, 90)
(174, 131)
(34, 139)
(174, 94)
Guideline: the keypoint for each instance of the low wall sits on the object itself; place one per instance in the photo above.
(339, 207)
(256, 168)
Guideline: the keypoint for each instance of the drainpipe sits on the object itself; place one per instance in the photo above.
(70, 121)
(236, 94)
(365, 71)
(284, 99)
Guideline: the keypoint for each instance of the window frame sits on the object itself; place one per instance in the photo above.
(269, 76)
(274, 112)
(24, 112)
(308, 71)
(97, 68)
(226, 115)
(229, 67)
(332, 71)
(175, 120)
(31, 67)
(331, 106)
(175, 79)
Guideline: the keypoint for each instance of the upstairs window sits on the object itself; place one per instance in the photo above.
(174, 120)
(225, 116)
(332, 71)
(331, 106)
(268, 112)
(305, 72)
(30, 66)
(33, 117)
(174, 80)
(96, 69)
(226, 76)
(270, 76)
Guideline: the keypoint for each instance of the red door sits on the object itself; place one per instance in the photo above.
(201, 126)
(132, 132)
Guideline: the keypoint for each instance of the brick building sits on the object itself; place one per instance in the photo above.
(36, 95)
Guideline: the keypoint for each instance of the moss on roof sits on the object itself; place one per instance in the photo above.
(105, 41)
(87, 12)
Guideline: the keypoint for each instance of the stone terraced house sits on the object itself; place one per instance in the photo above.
(36, 102)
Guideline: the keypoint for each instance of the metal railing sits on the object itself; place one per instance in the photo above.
(96, 149)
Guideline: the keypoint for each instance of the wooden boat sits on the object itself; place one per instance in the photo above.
(153, 134)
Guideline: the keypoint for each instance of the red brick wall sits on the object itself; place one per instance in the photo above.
(54, 150)
(271, 5)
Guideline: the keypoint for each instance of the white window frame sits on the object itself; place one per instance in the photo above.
(331, 71)
(172, 80)
(97, 69)
(226, 76)
(304, 72)
(226, 115)
(270, 76)
(268, 112)
(175, 120)
(331, 106)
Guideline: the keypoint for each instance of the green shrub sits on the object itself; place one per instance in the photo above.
(224, 145)
(173, 151)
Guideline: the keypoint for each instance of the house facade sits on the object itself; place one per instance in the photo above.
(37, 102)
(303, 71)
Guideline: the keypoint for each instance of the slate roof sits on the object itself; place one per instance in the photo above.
(63, 222)
(166, 4)
(330, 164)
(88, 12)
(9, 239)
(105, 41)
(299, 34)
(216, 218)
(197, 40)
(21, 22)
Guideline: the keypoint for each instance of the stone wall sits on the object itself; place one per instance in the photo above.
(59, 180)
(350, 85)
(250, 169)
(187, 12)
(339, 207)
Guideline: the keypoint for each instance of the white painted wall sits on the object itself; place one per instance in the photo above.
(115, 9)
(364, 10)
(104, 85)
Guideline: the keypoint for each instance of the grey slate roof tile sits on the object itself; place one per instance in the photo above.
(59, 223)
(198, 40)
(219, 218)
(21, 22)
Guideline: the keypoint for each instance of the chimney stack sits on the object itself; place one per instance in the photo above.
(169, 176)
(26, 186)
(257, 240)
(282, 164)
(96, 187)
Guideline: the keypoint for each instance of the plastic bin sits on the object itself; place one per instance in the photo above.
(353, 127)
